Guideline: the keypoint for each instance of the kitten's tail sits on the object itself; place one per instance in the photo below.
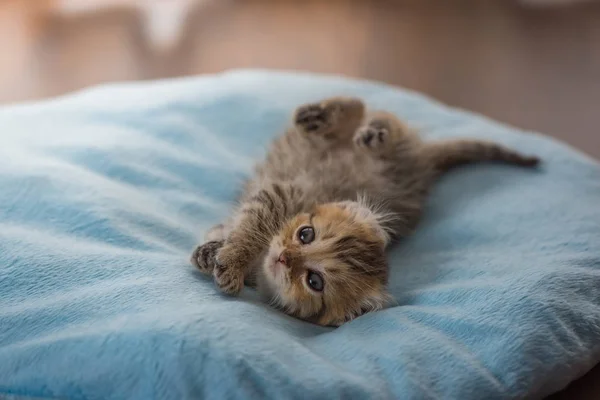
(449, 154)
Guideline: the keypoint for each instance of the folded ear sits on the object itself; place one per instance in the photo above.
(367, 215)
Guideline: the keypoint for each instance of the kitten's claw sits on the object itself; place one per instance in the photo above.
(373, 135)
(204, 257)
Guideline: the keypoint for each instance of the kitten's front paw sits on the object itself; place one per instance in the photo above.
(313, 118)
(372, 136)
(205, 255)
(229, 271)
(229, 280)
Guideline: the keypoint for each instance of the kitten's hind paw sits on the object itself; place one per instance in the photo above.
(336, 117)
(313, 118)
(205, 256)
(374, 135)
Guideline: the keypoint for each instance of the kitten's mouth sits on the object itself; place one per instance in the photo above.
(274, 258)
(276, 268)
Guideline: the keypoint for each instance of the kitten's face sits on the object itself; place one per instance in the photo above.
(328, 266)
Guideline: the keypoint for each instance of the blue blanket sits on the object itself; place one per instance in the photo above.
(103, 195)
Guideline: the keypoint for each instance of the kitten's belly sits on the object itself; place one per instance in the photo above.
(343, 175)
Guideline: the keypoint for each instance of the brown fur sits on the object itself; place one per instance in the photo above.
(359, 178)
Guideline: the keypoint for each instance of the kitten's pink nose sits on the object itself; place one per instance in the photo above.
(283, 258)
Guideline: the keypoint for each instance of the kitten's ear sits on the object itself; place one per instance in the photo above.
(366, 214)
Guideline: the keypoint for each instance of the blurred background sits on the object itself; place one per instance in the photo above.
(534, 64)
(531, 63)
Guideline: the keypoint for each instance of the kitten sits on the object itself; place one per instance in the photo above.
(312, 225)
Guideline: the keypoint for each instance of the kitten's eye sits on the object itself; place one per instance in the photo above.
(306, 235)
(315, 281)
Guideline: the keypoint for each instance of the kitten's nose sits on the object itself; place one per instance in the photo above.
(283, 258)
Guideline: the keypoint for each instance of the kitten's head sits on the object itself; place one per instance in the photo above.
(328, 266)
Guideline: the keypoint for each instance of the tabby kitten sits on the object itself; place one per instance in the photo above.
(313, 223)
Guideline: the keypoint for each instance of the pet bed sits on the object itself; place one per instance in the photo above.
(105, 193)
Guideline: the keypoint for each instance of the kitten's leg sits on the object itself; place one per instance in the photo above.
(255, 224)
(335, 119)
(384, 137)
(383, 134)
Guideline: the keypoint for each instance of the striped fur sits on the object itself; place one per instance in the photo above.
(359, 178)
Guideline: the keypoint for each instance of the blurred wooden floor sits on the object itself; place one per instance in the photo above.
(536, 69)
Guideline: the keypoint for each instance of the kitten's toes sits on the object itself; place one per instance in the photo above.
(313, 118)
(205, 256)
(374, 135)
(228, 280)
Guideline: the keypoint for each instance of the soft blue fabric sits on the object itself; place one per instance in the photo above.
(104, 194)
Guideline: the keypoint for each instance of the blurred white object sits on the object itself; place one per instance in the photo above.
(164, 20)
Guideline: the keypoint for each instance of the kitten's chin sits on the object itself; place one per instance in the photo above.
(265, 283)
